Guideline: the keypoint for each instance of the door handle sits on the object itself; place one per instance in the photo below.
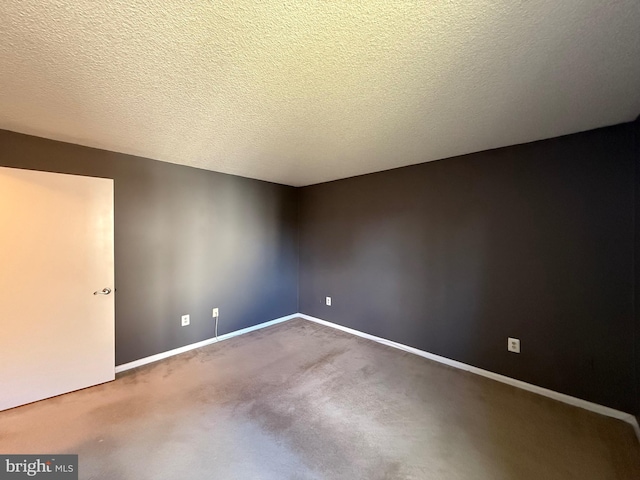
(104, 291)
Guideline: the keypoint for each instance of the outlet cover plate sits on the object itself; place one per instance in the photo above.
(328, 301)
(513, 345)
(185, 320)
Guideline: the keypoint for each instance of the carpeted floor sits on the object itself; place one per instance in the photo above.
(302, 401)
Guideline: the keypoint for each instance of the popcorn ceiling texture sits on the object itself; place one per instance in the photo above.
(304, 92)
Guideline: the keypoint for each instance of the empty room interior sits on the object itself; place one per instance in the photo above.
(320, 240)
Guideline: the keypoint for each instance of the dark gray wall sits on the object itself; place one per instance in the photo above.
(533, 241)
(186, 240)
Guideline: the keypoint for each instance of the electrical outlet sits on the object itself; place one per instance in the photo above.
(216, 313)
(185, 320)
(328, 301)
(513, 345)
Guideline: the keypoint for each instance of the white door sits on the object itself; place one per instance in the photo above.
(56, 250)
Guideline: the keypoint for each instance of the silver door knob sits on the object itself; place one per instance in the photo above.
(104, 291)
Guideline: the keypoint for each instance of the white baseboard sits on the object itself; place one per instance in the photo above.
(577, 402)
(204, 343)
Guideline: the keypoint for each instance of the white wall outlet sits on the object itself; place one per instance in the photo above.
(216, 313)
(328, 301)
(513, 345)
(185, 320)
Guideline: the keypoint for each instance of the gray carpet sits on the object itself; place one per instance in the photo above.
(302, 401)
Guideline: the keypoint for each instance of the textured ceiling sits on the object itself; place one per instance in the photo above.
(300, 92)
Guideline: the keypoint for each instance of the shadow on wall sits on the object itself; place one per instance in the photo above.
(224, 244)
(193, 240)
